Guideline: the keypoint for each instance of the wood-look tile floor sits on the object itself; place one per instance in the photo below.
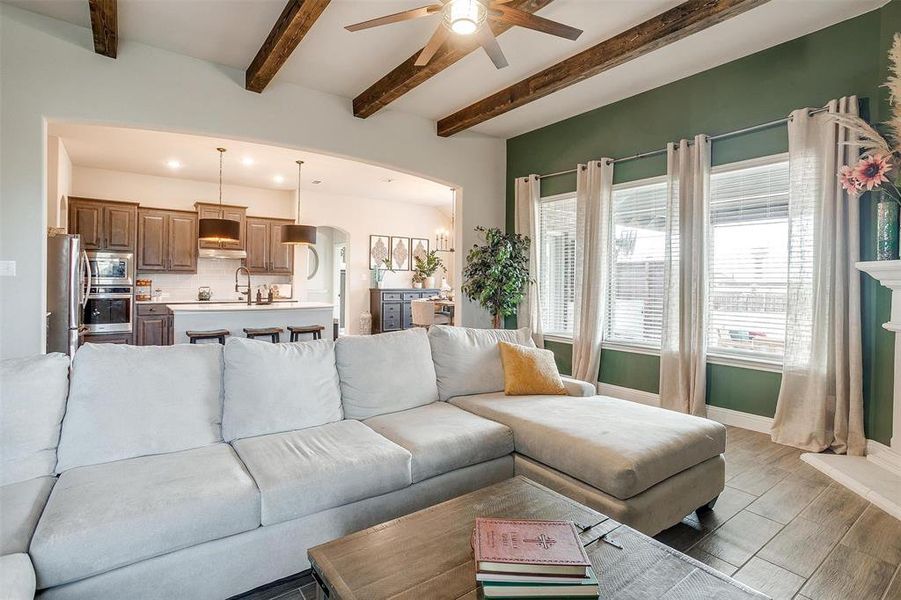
(784, 528)
(780, 526)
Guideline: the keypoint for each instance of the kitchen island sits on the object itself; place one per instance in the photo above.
(235, 317)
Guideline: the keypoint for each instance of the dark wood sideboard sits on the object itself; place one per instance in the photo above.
(390, 307)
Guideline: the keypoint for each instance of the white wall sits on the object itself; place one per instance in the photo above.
(59, 182)
(178, 194)
(360, 218)
(49, 71)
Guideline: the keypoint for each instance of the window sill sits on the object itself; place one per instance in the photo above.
(742, 362)
(562, 338)
(713, 358)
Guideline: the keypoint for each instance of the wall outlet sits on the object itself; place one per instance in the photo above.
(7, 268)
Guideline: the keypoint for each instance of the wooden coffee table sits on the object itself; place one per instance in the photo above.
(427, 555)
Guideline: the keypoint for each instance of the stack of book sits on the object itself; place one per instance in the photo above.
(531, 559)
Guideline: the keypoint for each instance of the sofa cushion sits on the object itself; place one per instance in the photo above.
(468, 361)
(21, 505)
(271, 388)
(303, 472)
(16, 577)
(128, 401)
(32, 402)
(385, 373)
(101, 517)
(443, 438)
(620, 447)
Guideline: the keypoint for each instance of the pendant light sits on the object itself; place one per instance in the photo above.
(221, 229)
(297, 233)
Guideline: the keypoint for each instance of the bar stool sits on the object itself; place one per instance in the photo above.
(214, 334)
(298, 330)
(274, 333)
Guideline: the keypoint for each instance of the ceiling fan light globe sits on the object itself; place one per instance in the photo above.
(464, 27)
(464, 17)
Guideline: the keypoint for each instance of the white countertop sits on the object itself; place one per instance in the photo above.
(206, 307)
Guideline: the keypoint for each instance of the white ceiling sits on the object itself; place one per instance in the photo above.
(333, 60)
(149, 152)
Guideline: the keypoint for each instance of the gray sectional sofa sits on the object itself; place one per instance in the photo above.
(202, 472)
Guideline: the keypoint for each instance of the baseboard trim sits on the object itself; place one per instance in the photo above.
(883, 456)
(736, 418)
(624, 393)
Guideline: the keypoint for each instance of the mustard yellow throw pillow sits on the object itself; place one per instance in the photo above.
(530, 371)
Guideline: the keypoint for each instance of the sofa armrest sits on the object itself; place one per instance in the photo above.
(576, 387)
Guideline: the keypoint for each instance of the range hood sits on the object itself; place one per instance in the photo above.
(221, 253)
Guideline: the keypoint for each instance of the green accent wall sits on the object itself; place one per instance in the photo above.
(847, 58)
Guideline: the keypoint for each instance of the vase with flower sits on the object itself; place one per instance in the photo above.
(878, 171)
(873, 174)
(380, 272)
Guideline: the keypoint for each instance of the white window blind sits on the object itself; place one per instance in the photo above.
(637, 245)
(557, 247)
(748, 259)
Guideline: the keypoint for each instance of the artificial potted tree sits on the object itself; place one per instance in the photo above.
(496, 274)
(426, 267)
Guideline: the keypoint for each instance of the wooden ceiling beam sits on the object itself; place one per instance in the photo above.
(292, 25)
(105, 26)
(407, 75)
(668, 27)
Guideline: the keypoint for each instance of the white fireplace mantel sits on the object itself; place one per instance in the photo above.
(878, 476)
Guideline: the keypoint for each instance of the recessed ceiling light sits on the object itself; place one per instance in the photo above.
(317, 181)
(173, 164)
(278, 179)
(247, 161)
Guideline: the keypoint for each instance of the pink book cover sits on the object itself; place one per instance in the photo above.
(528, 542)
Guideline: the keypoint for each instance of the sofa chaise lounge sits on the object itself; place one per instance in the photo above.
(197, 471)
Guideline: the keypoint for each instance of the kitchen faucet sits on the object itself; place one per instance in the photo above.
(238, 287)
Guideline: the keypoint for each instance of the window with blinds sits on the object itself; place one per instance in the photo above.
(748, 259)
(557, 246)
(637, 246)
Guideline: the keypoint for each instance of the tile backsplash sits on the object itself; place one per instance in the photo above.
(217, 274)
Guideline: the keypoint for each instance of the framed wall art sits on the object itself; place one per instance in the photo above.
(419, 247)
(400, 253)
(379, 250)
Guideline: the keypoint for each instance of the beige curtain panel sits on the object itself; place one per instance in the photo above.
(527, 195)
(683, 351)
(820, 402)
(594, 191)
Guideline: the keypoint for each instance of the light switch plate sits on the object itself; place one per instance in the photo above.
(7, 268)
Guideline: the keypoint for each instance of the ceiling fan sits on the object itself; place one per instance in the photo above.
(468, 17)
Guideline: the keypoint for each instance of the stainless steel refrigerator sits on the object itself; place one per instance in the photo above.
(68, 281)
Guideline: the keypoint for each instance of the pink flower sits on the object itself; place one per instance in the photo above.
(871, 170)
(849, 182)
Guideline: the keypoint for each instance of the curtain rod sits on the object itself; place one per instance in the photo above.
(721, 136)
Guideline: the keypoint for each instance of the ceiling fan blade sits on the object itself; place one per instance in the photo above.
(414, 13)
(487, 40)
(435, 42)
(515, 16)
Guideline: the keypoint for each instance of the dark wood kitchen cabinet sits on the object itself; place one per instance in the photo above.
(167, 241)
(104, 224)
(266, 255)
(207, 210)
(153, 325)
